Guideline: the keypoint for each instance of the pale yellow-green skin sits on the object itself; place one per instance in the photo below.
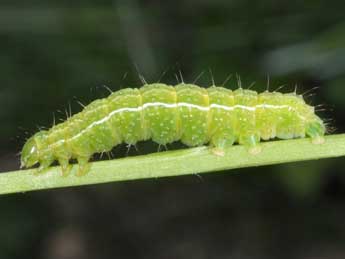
(186, 112)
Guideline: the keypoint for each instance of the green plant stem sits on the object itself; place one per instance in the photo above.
(173, 163)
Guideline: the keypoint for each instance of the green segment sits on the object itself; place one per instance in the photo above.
(193, 121)
(161, 121)
(44, 156)
(57, 139)
(245, 101)
(289, 124)
(222, 124)
(90, 131)
(127, 122)
(266, 119)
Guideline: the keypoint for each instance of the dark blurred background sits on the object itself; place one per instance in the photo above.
(55, 53)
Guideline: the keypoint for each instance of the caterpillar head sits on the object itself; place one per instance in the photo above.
(30, 152)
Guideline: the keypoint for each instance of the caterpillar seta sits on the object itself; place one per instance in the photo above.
(164, 113)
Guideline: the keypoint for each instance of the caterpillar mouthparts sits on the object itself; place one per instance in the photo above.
(164, 113)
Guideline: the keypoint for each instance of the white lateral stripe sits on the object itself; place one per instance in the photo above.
(181, 104)
(175, 105)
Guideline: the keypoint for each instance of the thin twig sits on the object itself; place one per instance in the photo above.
(174, 163)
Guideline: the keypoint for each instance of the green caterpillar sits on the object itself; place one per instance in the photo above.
(163, 113)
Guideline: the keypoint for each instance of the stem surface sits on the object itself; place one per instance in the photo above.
(173, 163)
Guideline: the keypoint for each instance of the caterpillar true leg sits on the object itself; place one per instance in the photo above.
(65, 167)
(44, 164)
(84, 165)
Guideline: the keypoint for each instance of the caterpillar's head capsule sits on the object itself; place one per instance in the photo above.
(33, 150)
(29, 154)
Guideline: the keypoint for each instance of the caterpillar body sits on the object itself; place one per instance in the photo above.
(164, 113)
